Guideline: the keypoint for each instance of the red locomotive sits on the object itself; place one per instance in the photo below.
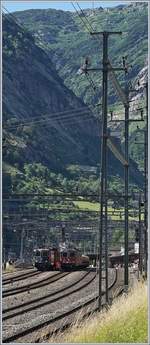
(46, 259)
(65, 256)
(71, 258)
(56, 259)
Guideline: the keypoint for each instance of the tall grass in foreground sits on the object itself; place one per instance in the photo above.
(9, 269)
(125, 322)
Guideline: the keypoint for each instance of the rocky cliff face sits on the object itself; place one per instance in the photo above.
(32, 94)
(139, 85)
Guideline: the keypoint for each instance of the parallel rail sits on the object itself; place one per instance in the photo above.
(45, 300)
(53, 320)
(20, 277)
(18, 273)
(69, 323)
(28, 287)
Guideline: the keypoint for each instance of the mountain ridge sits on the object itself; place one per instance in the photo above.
(31, 87)
(66, 41)
(88, 147)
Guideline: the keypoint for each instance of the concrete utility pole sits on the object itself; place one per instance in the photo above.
(146, 182)
(103, 236)
(145, 131)
(103, 176)
(140, 239)
(106, 141)
(126, 179)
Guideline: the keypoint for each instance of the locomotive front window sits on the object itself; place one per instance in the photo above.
(37, 253)
(64, 254)
(45, 254)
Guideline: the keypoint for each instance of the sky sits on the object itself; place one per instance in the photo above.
(61, 5)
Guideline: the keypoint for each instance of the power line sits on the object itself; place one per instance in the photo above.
(91, 81)
(88, 22)
(12, 17)
(18, 23)
(85, 16)
(87, 74)
(84, 23)
(55, 114)
(63, 119)
(65, 122)
(120, 195)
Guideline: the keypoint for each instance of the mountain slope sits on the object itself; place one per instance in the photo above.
(31, 89)
(65, 38)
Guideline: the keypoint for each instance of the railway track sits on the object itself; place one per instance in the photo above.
(55, 322)
(20, 277)
(93, 308)
(18, 273)
(55, 277)
(47, 299)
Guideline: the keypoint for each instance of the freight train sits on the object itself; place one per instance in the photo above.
(61, 258)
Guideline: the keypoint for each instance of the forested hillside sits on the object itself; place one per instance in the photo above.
(34, 92)
(66, 39)
(43, 120)
(51, 121)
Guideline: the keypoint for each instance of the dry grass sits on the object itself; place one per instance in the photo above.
(9, 269)
(125, 322)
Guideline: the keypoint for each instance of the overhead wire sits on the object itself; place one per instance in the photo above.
(63, 112)
(91, 81)
(74, 116)
(86, 22)
(85, 17)
(66, 121)
(85, 25)
(16, 21)
(24, 28)
(39, 213)
(21, 25)
(81, 118)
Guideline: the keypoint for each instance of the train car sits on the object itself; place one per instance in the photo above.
(46, 259)
(72, 259)
(62, 257)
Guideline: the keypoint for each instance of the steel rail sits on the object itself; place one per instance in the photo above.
(20, 277)
(19, 272)
(47, 302)
(57, 318)
(70, 323)
(28, 287)
(42, 298)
